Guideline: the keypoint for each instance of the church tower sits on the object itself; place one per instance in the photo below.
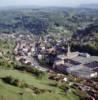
(68, 51)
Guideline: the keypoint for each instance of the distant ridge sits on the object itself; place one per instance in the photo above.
(89, 6)
(19, 7)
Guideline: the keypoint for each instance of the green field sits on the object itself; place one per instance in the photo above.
(9, 92)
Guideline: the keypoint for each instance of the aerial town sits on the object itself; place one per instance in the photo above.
(48, 52)
(62, 59)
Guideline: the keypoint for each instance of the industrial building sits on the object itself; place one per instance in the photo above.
(78, 64)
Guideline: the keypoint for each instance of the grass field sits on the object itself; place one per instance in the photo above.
(9, 92)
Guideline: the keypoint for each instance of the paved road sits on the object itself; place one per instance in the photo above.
(36, 64)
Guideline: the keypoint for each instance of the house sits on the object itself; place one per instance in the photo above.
(51, 50)
(84, 55)
(40, 57)
(58, 63)
(65, 79)
(27, 62)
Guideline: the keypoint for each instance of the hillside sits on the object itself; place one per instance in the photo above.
(45, 20)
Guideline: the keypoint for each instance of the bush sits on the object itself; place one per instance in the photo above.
(32, 70)
(16, 82)
(37, 90)
(7, 64)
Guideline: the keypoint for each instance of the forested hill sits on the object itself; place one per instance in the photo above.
(91, 30)
(90, 6)
(46, 20)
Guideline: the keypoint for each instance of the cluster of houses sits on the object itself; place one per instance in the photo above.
(92, 94)
(24, 51)
(57, 55)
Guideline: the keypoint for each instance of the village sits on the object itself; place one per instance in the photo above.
(48, 50)
(52, 56)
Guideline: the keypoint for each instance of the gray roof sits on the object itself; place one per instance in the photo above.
(84, 60)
